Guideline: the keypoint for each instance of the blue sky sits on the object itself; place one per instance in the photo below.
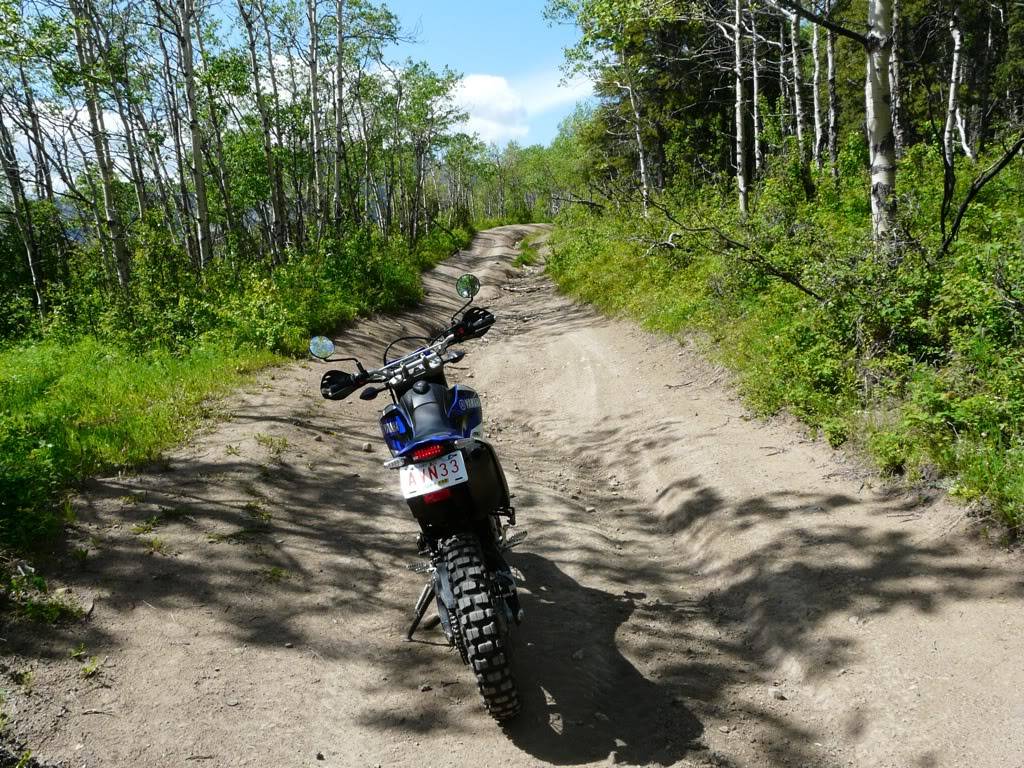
(510, 58)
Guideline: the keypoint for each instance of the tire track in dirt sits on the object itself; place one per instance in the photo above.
(699, 588)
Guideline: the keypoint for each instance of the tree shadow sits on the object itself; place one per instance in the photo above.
(583, 700)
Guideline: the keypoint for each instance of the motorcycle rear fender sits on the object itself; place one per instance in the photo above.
(470, 502)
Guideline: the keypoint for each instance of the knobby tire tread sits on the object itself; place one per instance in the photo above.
(481, 628)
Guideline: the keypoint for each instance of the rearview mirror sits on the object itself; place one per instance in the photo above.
(321, 347)
(467, 286)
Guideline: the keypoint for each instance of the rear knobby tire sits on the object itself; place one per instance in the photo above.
(482, 629)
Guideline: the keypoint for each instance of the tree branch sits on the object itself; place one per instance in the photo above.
(822, 21)
(976, 186)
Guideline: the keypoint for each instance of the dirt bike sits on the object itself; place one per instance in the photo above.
(456, 490)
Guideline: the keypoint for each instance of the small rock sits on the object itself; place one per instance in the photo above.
(320, 756)
(590, 510)
(854, 619)
(601, 716)
(367, 448)
(426, 687)
(724, 728)
(318, 439)
(578, 655)
(232, 702)
(289, 645)
(777, 694)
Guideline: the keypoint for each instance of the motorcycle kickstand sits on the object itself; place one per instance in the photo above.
(421, 608)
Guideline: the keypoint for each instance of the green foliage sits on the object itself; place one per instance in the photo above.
(67, 411)
(918, 360)
(71, 406)
(30, 599)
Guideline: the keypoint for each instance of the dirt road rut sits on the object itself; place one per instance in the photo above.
(700, 588)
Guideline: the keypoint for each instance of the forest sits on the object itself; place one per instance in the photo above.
(826, 195)
(829, 195)
(189, 191)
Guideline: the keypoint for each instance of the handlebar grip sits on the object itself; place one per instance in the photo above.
(337, 385)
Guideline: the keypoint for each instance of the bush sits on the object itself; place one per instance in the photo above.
(919, 359)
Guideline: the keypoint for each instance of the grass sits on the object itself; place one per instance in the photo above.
(528, 254)
(276, 575)
(275, 446)
(29, 599)
(67, 412)
(91, 668)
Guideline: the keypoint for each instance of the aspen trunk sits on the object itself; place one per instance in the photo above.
(881, 143)
(277, 233)
(98, 134)
(798, 99)
(755, 65)
(186, 11)
(314, 108)
(22, 214)
(222, 174)
(741, 154)
(954, 119)
(339, 109)
(833, 103)
(634, 103)
(819, 129)
(896, 80)
(784, 92)
(182, 199)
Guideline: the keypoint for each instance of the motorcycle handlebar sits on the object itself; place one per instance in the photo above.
(337, 385)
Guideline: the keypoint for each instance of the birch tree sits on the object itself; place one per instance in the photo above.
(877, 44)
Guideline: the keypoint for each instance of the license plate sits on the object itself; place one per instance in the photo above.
(429, 476)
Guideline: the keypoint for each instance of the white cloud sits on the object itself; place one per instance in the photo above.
(500, 110)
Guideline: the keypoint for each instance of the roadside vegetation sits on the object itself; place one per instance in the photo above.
(180, 207)
(887, 313)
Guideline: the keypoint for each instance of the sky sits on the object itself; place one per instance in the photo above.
(510, 59)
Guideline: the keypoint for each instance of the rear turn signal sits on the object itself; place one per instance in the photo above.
(429, 452)
(432, 498)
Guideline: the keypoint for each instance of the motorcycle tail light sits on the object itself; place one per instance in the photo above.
(429, 452)
(442, 495)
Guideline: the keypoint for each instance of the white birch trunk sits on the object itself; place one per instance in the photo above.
(755, 62)
(881, 143)
(798, 99)
(741, 162)
(819, 130)
(186, 10)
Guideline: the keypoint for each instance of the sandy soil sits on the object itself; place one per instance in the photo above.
(700, 588)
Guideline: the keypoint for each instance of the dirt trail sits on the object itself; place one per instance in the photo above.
(699, 588)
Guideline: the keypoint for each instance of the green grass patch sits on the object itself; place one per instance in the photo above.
(528, 254)
(69, 411)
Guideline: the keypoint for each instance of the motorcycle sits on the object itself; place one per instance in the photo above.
(456, 490)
